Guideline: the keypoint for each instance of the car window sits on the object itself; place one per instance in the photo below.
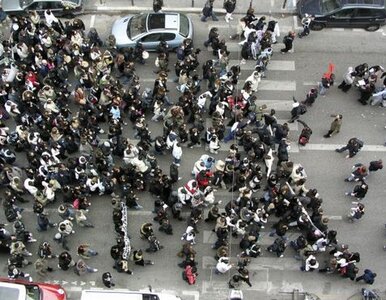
(152, 37)
(344, 13)
(184, 25)
(56, 5)
(33, 292)
(136, 26)
(39, 5)
(329, 5)
(365, 12)
(168, 36)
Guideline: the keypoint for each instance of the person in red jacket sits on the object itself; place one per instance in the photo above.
(190, 274)
(203, 179)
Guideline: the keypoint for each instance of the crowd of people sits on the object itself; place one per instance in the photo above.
(57, 123)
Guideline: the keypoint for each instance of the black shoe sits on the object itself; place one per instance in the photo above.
(327, 136)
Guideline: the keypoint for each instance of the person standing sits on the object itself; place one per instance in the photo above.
(177, 154)
(348, 80)
(157, 6)
(288, 42)
(368, 276)
(310, 264)
(207, 11)
(229, 6)
(223, 265)
(335, 125)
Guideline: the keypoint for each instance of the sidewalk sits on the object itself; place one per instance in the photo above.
(262, 7)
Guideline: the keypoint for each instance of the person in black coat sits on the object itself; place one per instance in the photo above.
(107, 279)
(229, 6)
(288, 42)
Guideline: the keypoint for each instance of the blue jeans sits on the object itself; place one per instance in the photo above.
(229, 136)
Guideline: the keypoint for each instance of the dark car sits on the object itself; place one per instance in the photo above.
(368, 14)
(58, 7)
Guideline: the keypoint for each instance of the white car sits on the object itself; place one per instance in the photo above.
(150, 28)
(125, 295)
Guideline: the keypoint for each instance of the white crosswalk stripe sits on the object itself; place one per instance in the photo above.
(266, 262)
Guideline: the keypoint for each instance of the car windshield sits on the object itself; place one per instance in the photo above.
(136, 26)
(33, 292)
(184, 25)
(24, 3)
(329, 5)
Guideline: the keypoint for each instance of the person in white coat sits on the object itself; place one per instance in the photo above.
(177, 154)
(268, 160)
(255, 79)
(223, 265)
(50, 18)
(311, 264)
(214, 144)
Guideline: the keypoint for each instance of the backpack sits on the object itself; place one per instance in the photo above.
(303, 140)
(360, 143)
(286, 39)
(11, 215)
(302, 109)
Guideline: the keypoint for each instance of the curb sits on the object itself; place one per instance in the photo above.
(137, 9)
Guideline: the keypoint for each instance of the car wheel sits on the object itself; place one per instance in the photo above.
(373, 27)
(317, 26)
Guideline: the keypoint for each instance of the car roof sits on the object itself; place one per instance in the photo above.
(366, 3)
(12, 291)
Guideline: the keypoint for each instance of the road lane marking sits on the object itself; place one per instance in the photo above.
(273, 65)
(277, 85)
(92, 21)
(195, 294)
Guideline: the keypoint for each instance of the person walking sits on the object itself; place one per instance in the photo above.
(375, 165)
(212, 36)
(107, 280)
(207, 11)
(82, 268)
(335, 126)
(306, 21)
(356, 212)
(359, 172)
(288, 42)
(65, 261)
(229, 6)
(86, 252)
(368, 276)
(354, 145)
(359, 191)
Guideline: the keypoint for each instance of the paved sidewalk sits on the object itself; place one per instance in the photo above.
(262, 7)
